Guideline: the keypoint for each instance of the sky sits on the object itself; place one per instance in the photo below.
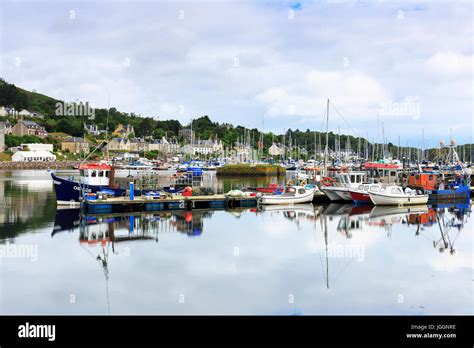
(405, 65)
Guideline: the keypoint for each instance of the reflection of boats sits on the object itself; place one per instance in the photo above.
(394, 195)
(381, 211)
(291, 195)
(66, 220)
(337, 209)
(300, 210)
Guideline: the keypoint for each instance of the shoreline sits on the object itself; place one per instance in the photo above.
(39, 165)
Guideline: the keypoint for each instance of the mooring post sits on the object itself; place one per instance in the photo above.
(132, 191)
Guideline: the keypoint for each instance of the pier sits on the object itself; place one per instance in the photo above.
(125, 204)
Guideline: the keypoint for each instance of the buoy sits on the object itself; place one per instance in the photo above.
(327, 181)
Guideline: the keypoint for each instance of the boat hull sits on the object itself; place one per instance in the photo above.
(360, 197)
(331, 194)
(283, 199)
(461, 193)
(383, 199)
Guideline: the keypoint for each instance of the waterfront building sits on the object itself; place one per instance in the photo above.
(33, 156)
(25, 113)
(36, 147)
(23, 127)
(118, 144)
(75, 145)
(138, 145)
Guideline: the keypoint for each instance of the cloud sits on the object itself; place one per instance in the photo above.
(451, 65)
(237, 60)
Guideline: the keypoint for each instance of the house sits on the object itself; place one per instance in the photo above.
(33, 156)
(23, 127)
(36, 147)
(2, 136)
(276, 150)
(75, 145)
(164, 146)
(93, 129)
(25, 113)
(118, 144)
(186, 133)
(204, 147)
(123, 131)
(3, 111)
(8, 127)
(138, 145)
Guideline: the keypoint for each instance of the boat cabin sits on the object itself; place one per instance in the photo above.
(383, 172)
(426, 181)
(350, 178)
(97, 174)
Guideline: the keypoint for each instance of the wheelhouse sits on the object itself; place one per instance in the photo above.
(95, 174)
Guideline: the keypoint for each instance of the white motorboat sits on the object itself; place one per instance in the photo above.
(290, 195)
(394, 195)
(341, 184)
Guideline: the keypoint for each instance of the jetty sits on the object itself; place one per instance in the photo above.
(176, 202)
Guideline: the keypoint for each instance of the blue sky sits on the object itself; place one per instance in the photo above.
(408, 64)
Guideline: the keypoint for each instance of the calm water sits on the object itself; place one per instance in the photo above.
(333, 259)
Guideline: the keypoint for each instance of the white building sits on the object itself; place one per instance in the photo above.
(25, 113)
(38, 147)
(33, 156)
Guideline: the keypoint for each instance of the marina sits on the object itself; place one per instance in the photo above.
(341, 256)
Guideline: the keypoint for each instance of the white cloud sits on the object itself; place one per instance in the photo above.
(235, 61)
(451, 64)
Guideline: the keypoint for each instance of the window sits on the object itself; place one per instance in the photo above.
(106, 173)
(393, 173)
(353, 178)
(301, 191)
(361, 187)
(101, 173)
(93, 173)
(396, 190)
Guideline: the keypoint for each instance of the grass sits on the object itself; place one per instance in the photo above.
(251, 170)
(5, 157)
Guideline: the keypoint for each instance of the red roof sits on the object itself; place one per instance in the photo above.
(102, 166)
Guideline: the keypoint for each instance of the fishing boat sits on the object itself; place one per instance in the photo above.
(291, 195)
(394, 195)
(442, 185)
(95, 177)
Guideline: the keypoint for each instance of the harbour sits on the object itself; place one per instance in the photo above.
(311, 258)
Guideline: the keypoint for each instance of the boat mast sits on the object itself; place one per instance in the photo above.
(327, 138)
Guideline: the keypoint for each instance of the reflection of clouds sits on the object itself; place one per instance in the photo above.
(274, 259)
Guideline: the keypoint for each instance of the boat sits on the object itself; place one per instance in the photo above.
(442, 185)
(361, 194)
(271, 188)
(394, 195)
(337, 189)
(291, 195)
(94, 178)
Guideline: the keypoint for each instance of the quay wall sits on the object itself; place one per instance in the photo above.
(251, 170)
(39, 165)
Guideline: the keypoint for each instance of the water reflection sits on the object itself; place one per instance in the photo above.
(331, 259)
